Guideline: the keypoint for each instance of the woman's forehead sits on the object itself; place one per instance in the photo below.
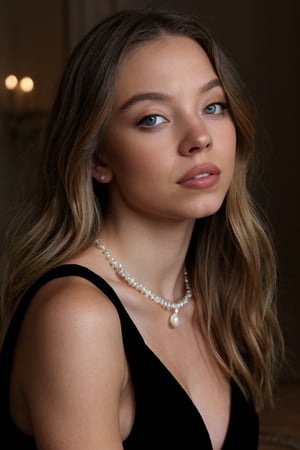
(162, 63)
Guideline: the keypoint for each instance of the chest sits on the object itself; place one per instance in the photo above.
(191, 364)
(180, 376)
(176, 395)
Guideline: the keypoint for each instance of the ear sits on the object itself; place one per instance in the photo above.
(101, 171)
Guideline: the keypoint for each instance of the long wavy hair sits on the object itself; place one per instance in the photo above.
(231, 258)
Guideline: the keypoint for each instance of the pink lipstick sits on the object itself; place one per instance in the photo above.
(201, 177)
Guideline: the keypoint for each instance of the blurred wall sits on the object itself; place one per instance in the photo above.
(262, 38)
(32, 43)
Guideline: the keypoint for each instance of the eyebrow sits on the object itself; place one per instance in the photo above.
(157, 96)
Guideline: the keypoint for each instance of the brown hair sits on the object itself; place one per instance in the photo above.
(231, 258)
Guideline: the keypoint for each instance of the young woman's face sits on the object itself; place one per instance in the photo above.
(170, 143)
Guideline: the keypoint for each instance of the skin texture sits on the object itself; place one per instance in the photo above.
(74, 391)
(146, 162)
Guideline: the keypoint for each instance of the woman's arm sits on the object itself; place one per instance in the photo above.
(70, 368)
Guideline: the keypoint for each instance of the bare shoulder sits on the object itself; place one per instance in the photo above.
(70, 297)
(71, 313)
(71, 364)
(71, 309)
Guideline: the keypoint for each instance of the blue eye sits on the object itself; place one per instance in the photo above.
(215, 108)
(151, 120)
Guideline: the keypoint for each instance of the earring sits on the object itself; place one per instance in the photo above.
(102, 177)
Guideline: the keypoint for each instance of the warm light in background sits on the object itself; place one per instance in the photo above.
(26, 84)
(11, 82)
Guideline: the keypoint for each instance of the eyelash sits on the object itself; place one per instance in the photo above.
(222, 105)
(141, 122)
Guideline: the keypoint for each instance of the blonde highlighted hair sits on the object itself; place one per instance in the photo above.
(230, 258)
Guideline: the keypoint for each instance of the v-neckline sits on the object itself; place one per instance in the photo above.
(66, 270)
(115, 299)
(171, 375)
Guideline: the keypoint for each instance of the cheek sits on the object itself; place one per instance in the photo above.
(132, 152)
(227, 151)
(230, 131)
(230, 141)
(127, 159)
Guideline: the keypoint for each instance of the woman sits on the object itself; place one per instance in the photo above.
(137, 302)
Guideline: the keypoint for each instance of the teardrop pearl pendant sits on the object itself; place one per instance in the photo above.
(174, 319)
(175, 307)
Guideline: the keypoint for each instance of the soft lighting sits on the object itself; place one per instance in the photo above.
(11, 82)
(26, 84)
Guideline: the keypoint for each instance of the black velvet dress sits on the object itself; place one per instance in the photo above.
(166, 418)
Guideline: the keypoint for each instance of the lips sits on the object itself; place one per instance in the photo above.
(200, 172)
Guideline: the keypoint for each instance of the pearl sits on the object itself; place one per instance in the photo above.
(174, 320)
(165, 304)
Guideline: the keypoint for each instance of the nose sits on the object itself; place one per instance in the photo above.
(195, 138)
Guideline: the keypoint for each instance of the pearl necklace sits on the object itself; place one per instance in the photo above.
(132, 282)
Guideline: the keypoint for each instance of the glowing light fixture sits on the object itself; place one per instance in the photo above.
(26, 84)
(11, 82)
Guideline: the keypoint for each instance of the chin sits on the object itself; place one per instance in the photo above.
(208, 210)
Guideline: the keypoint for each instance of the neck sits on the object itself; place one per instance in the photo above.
(167, 304)
(154, 255)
